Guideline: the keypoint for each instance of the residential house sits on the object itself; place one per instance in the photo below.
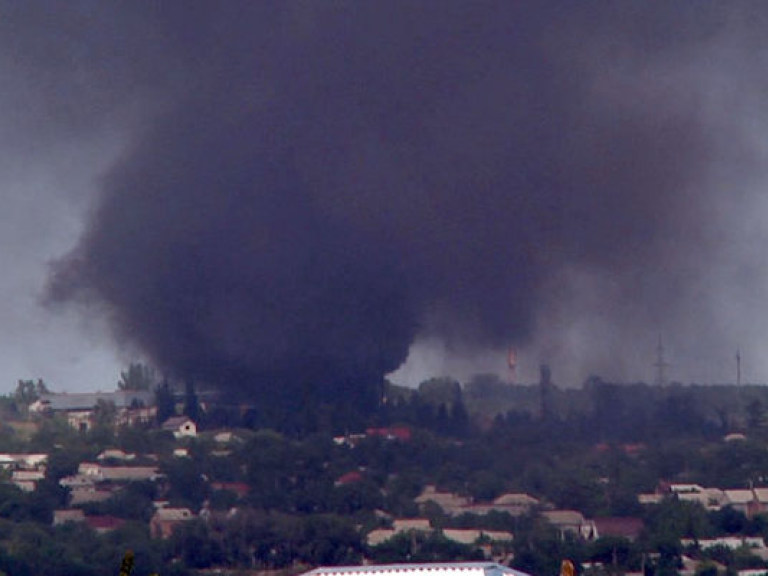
(571, 521)
(648, 499)
(181, 427)
(27, 480)
(411, 524)
(493, 543)
(227, 437)
(165, 520)
(692, 566)
(136, 415)
(761, 495)
(462, 536)
(399, 526)
(711, 498)
(379, 536)
(79, 496)
(352, 477)
(79, 407)
(241, 489)
(63, 516)
(99, 473)
(104, 524)
(629, 528)
(470, 536)
(401, 433)
(451, 504)
(34, 461)
(78, 482)
(515, 504)
(484, 539)
(115, 454)
(512, 504)
(16, 463)
(730, 542)
(744, 500)
(83, 485)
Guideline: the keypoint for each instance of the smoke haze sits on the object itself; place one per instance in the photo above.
(307, 189)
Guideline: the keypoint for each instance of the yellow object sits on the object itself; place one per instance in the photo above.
(126, 567)
(567, 568)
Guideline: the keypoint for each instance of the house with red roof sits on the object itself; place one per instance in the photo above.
(401, 433)
(104, 524)
(629, 528)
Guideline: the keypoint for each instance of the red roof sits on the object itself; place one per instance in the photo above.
(349, 478)
(629, 528)
(239, 488)
(104, 522)
(392, 433)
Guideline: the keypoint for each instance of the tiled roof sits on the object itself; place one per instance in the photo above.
(562, 517)
(405, 524)
(463, 536)
(104, 523)
(623, 527)
(175, 422)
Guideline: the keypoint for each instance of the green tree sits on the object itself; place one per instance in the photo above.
(438, 391)
(755, 414)
(193, 542)
(188, 486)
(191, 403)
(138, 376)
(422, 547)
(27, 391)
(165, 401)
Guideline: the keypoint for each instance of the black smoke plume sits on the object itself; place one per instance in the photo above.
(313, 185)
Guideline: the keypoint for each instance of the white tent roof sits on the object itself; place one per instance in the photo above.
(442, 569)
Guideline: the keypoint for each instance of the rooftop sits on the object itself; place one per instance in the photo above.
(441, 569)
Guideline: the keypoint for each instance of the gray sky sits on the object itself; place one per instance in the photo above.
(574, 181)
(46, 191)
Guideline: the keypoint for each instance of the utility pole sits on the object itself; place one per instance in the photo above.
(738, 367)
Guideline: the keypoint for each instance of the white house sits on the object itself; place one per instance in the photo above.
(181, 426)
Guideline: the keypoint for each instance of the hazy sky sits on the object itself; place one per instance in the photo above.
(46, 190)
(305, 190)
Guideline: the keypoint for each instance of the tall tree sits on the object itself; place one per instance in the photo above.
(138, 376)
(27, 391)
(165, 402)
(191, 403)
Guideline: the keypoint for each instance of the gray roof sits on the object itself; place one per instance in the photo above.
(436, 569)
(89, 400)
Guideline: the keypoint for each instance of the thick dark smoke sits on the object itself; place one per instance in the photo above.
(313, 185)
